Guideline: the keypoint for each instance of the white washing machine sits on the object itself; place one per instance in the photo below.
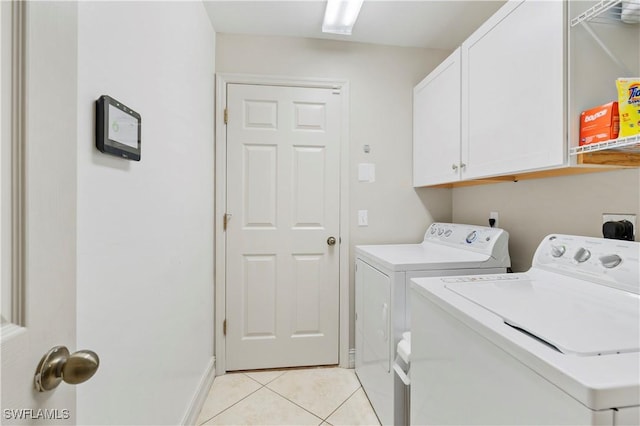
(559, 344)
(383, 273)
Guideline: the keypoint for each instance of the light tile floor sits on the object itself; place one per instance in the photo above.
(310, 396)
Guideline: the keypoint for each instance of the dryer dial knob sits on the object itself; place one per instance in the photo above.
(472, 237)
(610, 261)
(582, 255)
(558, 251)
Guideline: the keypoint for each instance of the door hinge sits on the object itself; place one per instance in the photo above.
(224, 327)
(225, 221)
(226, 116)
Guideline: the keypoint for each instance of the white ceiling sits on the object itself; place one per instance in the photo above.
(415, 23)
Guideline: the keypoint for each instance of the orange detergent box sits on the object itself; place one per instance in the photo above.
(599, 124)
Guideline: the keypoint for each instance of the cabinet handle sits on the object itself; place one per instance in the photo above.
(462, 165)
(454, 166)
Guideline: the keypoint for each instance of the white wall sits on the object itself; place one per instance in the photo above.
(145, 234)
(381, 82)
(529, 210)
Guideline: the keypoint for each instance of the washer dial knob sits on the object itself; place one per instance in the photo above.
(610, 261)
(558, 251)
(582, 255)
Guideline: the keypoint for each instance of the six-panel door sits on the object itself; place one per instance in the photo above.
(283, 177)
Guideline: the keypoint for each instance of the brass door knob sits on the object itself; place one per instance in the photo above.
(57, 366)
(331, 241)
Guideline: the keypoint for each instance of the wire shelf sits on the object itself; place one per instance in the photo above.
(610, 12)
(630, 144)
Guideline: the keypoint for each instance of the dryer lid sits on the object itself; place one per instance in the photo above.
(424, 256)
(573, 316)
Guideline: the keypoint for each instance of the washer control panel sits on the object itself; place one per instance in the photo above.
(615, 263)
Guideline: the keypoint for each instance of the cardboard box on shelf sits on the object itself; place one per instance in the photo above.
(599, 124)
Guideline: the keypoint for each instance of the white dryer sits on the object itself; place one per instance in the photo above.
(559, 344)
(383, 273)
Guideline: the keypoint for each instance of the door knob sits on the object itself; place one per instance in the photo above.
(331, 241)
(57, 365)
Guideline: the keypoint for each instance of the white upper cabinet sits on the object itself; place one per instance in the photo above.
(513, 91)
(524, 77)
(436, 125)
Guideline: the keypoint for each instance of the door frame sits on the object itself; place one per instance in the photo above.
(220, 203)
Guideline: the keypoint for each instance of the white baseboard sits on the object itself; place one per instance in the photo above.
(352, 358)
(200, 396)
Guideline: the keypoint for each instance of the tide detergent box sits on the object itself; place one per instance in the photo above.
(599, 124)
(629, 100)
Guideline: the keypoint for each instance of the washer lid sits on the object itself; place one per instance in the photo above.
(573, 316)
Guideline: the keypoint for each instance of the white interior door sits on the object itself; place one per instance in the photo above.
(283, 195)
(45, 308)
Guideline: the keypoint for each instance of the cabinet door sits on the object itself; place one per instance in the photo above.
(513, 91)
(436, 125)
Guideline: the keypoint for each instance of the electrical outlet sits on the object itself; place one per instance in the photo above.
(495, 216)
(618, 230)
(613, 217)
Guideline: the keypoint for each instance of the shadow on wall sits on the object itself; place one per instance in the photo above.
(437, 203)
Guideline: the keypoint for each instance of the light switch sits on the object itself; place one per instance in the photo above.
(366, 172)
(363, 219)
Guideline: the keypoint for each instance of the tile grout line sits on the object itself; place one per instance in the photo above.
(325, 420)
(314, 414)
(371, 406)
(265, 384)
(295, 403)
(369, 401)
(342, 403)
(238, 401)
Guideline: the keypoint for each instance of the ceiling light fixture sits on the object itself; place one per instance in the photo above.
(340, 16)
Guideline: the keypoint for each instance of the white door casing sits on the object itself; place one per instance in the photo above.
(49, 256)
(283, 192)
(282, 289)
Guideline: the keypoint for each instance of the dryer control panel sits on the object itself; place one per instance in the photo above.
(614, 263)
(490, 241)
